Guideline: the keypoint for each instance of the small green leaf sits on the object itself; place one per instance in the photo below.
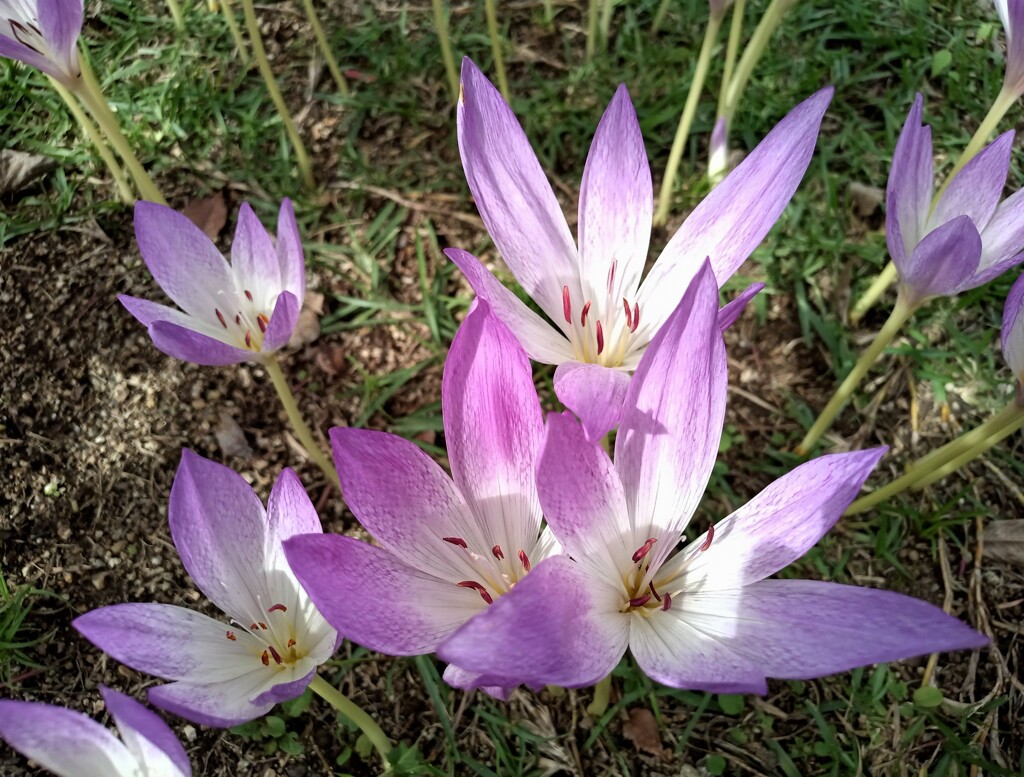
(928, 698)
(274, 725)
(730, 703)
(364, 746)
(715, 764)
(940, 61)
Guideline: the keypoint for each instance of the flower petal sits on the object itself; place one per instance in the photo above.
(64, 742)
(734, 218)
(541, 341)
(218, 705)
(60, 22)
(12, 49)
(776, 527)
(468, 681)
(374, 599)
(556, 627)
(594, 393)
(943, 263)
(798, 629)
(493, 428)
(290, 258)
(1003, 236)
(254, 257)
(290, 510)
(1011, 13)
(513, 195)
(731, 311)
(1013, 329)
(978, 187)
(146, 735)
(668, 436)
(190, 345)
(908, 194)
(282, 322)
(616, 205)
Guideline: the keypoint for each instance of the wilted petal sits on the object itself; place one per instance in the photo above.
(731, 311)
(594, 393)
(146, 735)
(909, 190)
(945, 260)
(977, 189)
(1013, 329)
(556, 627)
(616, 205)
(190, 345)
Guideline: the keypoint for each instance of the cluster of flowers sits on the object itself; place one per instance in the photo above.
(542, 558)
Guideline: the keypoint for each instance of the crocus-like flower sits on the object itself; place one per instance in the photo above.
(1013, 330)
(601, 316)
(229, 312)
(969, 237)
(1011, 13)
(225, 674)
(43, 34)
(71, 744)
(450, 547)
(703, 617)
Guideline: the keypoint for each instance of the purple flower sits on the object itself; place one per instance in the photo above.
(1013, 330)
(704, 617)
(71, 744)
(602, 316)
(229, 312)
(43, 34)
(969, 237)
(225, 674)
(450, 546)
(1011, 13)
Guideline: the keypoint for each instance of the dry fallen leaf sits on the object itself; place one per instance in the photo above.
(642, 730)
(865, 199)
(231, 438)
(18, 168)
(210, 214)
(1004, 541)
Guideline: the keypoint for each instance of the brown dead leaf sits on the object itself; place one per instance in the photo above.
(865, 199)
(210, 214)
(642, 730)
(331, 359)
(1004, 541)
(231, 438)
(18, 169)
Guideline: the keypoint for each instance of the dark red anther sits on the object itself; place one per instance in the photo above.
(478, 588)
(248, 295)
(644, 549)
(611, 276)
(524, 560)
(238, 319)
(263, 625)
(600, 338)
(636, 317)
(278, 608)
(640, 601)
(220, 317)
(496, 552)
(265, 658)
(252, 627)
(248, 338)
(291, 643)
(583, 315)
(456, 541)
(566, 305)
(263, 321)
(277, 656)
(711, 536)
(629, 313)
(231, 635)
(654, 591)
(667, 604)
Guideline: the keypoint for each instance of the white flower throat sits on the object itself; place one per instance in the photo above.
(601, 334)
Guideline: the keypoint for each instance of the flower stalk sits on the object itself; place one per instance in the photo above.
(175, 9)
(773, 16)
(355, 713)
(325, 47)
(718, 149)
(602, 695)
(499, 60)
(236, 32)
(444, 39)
(592, 16)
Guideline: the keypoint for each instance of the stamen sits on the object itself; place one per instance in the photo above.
(636, 317)
(524, 560)
(611, 275)
(263, 625)
(265, 658)
(220, 317)
(252, 627)
(238, 319)
(291, 643)
(231, 635)
(566, 305)
(456, 541)
(478, 588)
(640, 601)
(277, 656)
(496, 552)
(654, 591)
(583, 315)
(629, 313)
(248, 295)
(263, 321)
(711, 535)
(667, 605)
(600, 338)
(278, 608)
(248, 338)
(644, 549)
(17, 27)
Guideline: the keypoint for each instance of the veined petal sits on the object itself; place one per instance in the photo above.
(147, 313)
(594, 393)
(668, 437)
(12, 49)
(374, 599)
(1011, 13)
(64, 742)
(254, 257)
(909, 190)
(289, 510)
(146, 735)
(512, 193)
(182, 259)
(943, 263)
(798, 629)
(734, 218)
(191, 345)
(282, 322)
(978, 187)
(616, 205)
(731, 311)
(775, 528)
(1013, 329)
(493, 428)
(290, 258)
(1003, 236)
(556, 627)
(541, 341)
(218, 705)
(60, 22)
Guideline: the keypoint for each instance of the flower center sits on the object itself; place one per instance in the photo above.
(642, 595)
(499, 575)
(247, 326)
(275, 636)
(600, 334)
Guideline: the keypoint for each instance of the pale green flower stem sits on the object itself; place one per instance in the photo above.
(236, 32)
(92, 132)
(549, 12)
(900, 313)
(299, 426)
(607, 6)
(659, 17)
(355, 713)
(592, 15)
(686, 120)
(175, 9)
(325, 47)
(602, 695)
(949, 458)
(92, 97)
(499, 60)
(732, 51)
(444, 39)
(1003, 102)
(260, 55)
(773, 16)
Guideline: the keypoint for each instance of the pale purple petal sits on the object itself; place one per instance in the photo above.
(541, 341)
(909, 190)
(374, 599)
(289, 509)
(290, 258)
(64, 742)
(944, 262)
(493, 428)
(1003, 236)
(147, 312)
(668, 437)
(594, 393)
(187, 344)
(991, 272)
(60, 22)
(616, 205)
(978, 187)
(1011, 13)
(282, 322)
(734, 218)
(253, 255)
(11, 49)
(142, 730)
(556, 627)
(731, 311)
(468, 681)
(218, 705)
(776, 527)
(182, 259)
(1013, 329)
(718, 147)
(799, 629)
(513, 195)
(285, 691)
